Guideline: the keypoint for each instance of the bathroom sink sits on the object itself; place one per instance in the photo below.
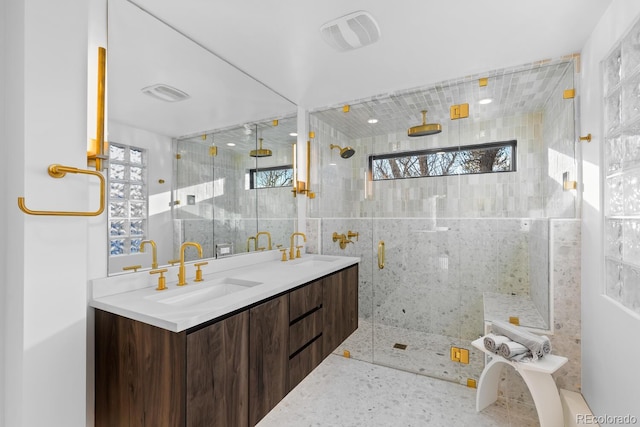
(198, 293)
(314, 261)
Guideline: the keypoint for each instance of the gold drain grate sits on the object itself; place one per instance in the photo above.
(400, 346)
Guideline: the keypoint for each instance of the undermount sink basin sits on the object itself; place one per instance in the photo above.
(198, 293)
(314, 260)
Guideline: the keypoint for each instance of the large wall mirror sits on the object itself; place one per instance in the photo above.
(184, 129)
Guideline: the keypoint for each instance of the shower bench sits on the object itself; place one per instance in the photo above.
(537, 376)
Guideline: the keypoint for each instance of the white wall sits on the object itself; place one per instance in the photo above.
(610, 348)
(45, 257)
(3, 196)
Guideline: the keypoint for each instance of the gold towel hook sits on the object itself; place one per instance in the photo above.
(59, 171)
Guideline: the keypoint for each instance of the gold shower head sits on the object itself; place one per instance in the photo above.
(345, 152)
(261, 152)
(425, 128)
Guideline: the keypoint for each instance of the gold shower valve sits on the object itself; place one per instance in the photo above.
(342, 239)
(351, 234)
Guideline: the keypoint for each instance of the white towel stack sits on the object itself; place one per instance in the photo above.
(515, 343)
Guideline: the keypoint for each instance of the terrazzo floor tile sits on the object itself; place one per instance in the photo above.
(351, 393)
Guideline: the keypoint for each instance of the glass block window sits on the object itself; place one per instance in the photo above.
(277, 176)
(128, 215)
(485, 158)
(621, 73)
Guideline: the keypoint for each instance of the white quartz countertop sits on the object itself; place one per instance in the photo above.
(227, 286)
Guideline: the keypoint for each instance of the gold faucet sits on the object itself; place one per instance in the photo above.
(269, 247)
(342, 239)
(154, 250)
(255, 244)
(181, 272)
(293, 237)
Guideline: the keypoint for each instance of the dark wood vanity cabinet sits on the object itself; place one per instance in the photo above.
(268, 356)
(305, 331)
(217, 362)
(340, 308)
(229, 372)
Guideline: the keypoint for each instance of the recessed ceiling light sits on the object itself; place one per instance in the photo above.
(293, 134)
(231, 144)
(485, 101)
(372, 121)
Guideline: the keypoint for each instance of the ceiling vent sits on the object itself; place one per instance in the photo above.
(351, 31)
(165, 92)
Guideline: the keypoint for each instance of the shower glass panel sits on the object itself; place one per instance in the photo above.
(462, 248)
(212, 202)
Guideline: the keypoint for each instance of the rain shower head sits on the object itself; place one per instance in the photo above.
(345, 152)
(425, 128)
(261, 152)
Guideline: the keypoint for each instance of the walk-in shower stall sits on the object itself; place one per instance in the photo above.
(453, 227)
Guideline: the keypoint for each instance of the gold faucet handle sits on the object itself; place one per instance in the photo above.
(298, 251)
(351, 234)
(162, 281)
(132, 267)
(174, 261)
(198, 271)
(284, 254)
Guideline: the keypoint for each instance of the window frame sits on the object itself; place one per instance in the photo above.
(417, 153)
(254, 171)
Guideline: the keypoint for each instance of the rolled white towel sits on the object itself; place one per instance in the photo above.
(493, 341)
(546, 346)
(511, 349)
(539, 345)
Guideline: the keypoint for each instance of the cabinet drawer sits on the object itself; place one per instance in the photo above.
(304, 362)
(304, 330)
(305, 299)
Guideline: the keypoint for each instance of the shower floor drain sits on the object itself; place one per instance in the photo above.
(400, 346)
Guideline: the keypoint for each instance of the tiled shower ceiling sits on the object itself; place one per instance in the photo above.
(513, 92)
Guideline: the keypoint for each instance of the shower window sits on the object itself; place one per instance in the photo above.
(273, 177)
(128, 214)
(474, 159)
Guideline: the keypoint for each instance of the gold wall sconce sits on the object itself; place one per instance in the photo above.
(96, 154)
(302, 187)
(59, 171)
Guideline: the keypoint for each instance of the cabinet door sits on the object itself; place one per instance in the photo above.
(218, 374)
(268, 356)
(139, 373)
(340, 308)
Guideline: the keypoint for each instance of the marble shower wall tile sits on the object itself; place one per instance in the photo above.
(566, 340)
(343, 190)
(434, 277)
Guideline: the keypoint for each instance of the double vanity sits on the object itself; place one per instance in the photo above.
(222, 351)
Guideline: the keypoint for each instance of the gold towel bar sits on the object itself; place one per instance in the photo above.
(59, 171)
